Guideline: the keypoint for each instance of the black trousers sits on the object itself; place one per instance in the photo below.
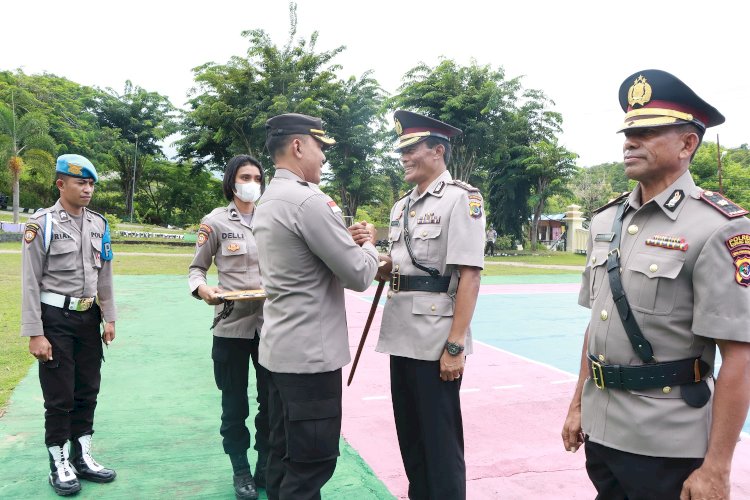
(489, 248)
(305, 413)
(70, 380)
(619, 475)
(231, 366)
(430, 429)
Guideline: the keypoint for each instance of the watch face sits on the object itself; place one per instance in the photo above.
(454, 349)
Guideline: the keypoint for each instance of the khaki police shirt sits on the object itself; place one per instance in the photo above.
(228, 241)
(682, 300)
(307, 258)
(72, 266)
(446, 224)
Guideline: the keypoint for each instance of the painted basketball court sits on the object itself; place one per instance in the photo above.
(158, 414)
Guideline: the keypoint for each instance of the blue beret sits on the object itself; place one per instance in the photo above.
(76, 166)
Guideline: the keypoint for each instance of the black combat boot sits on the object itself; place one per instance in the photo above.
(62, 478)
(84, 464)
(244, 486)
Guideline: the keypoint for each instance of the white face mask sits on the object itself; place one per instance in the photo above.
(247, 192)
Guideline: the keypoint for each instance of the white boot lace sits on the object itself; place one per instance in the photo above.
(64, 470)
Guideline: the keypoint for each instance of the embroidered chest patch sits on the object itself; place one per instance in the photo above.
(739, 249)
(669, 242)
(203, 232)
(233, 247)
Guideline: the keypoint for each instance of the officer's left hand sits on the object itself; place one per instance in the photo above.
(451, 367)
(706, 483)
(109, 332)
(362, 233)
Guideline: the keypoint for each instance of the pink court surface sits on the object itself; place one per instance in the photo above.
(513, 408)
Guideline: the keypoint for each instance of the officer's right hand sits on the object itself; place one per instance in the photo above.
(208, 294)
(40, 348)
(572, 433)
(385, 268)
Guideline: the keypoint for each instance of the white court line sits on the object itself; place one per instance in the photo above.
(374, 398)
(525, 358)
(516, 386)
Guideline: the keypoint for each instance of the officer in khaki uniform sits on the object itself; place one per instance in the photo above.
(225, 238)
(437, 253)
(67, 292)
(667, 281)
(307, 258)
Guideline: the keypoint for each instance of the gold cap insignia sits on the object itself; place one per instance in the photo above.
(399, 128)
(74, 169)
(640, 92)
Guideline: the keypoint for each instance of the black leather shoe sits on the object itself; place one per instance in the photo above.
(84, 464)
(244, 486)
(61, 477)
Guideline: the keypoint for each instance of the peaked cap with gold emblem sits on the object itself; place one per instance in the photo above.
(295, 123)
(655, 98)
(413, 128)
(76, 166)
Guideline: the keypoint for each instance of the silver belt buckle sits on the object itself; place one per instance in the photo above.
(82, 304)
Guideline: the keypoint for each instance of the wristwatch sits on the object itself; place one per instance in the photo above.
(453, 348)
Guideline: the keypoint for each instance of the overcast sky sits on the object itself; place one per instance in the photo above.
(577, 52)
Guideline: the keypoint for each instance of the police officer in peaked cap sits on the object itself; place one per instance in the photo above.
(307, 258)
(436, 255)
(67, 294)
(668, 281)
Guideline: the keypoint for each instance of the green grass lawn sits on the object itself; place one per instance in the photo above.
(14, 356)
(551, 258)
(490, 270)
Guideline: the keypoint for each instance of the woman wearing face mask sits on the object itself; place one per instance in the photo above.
(225, 237)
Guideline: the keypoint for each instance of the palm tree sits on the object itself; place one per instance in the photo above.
(24, 141)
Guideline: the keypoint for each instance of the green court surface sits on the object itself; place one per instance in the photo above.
(158, 416)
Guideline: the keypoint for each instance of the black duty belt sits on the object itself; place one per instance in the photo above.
(648, 376)
(402, 283)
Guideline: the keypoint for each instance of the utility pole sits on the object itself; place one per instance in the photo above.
(132, 193)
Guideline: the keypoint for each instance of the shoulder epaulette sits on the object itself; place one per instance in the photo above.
(96, 213)
(406, 194)
(39, 213)
(464, 185)
(616, 201)
(724, 205)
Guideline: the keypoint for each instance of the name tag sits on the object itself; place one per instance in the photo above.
(608, 237)
(394, 223)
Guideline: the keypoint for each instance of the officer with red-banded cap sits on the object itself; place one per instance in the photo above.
(667, 281)
(67, 293)
(437, 253)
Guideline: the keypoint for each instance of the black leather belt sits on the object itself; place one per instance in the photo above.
(648, 376)
(402, 283)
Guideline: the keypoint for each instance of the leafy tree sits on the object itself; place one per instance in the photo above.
(232, 101)
(550, 167)
(354, 122)
(139, 120)
(24, 141)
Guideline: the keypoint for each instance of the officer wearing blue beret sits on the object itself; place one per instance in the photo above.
(667, 281)
(67, 293)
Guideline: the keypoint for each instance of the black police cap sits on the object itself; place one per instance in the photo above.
(655, 98)
(295, 123)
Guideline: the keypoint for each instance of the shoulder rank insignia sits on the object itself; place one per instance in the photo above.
(464, 185)
(669, 242)
(739, 249)
(723, 205)
(203, 233)
(32, 228)
(613, 202)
